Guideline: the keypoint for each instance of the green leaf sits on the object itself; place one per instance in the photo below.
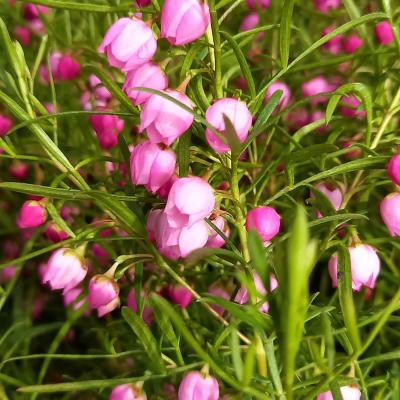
(60, 222)
(258, 256)
(83, 6)
(242, 62)
(232, 137)
(183, 154)
(200, 254)
(146, 338)
(236, 354)
(346, 297)
(285, 30)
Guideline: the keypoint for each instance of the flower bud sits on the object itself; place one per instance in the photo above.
(5, 125)
(365, 267)
(196, 386)
(164, 120)
(237, 112)
(184, 21)
(101, 93)
(103, 294)
(68, 68)
(384, 32)
(31, 215)
(334, 195)
(255, 4)
(121, 51)
(32, 11)
(70, 298)
(215, 239)
(127, 392)
(394, 169)
(250, 21)
(347, 392)
(19, 170)
(55, 234)
(265, 220)
(152, 166)
(243, 297)
(148, 75)
(334, 45)
(64, 270)
(390, 213)
(315, 87)
(107, 128)
(351, 108)
(23, 34)
(190, 200)
(325, 5)
(352, 44)
(286, 94)
(179, 295)
(147, 314)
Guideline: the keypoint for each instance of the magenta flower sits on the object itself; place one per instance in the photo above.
(325, 6)
(54, 233)
(334, 195)
(347, 392)
(365, 267)
(315, 88)
(107, 128)
(384, 32)
(184, 21)
(101, 93)
(132, 304)
(68, 68)
(148, 75)
(164, 120)
(32, 11)
(179, 295)
(143, 3)
(334, 46)
(243, 297)
(5, 125)
(352, 43)
(265, 220)
(394, 169)
(152, 165)
(31, 215)
(254, 4)
(390, 213)
(103, 294)
(127, 392)
(189, 201)
(250, 21)
(219, 290)
(122, 51)
(64, 270)
(196, 386)
(238, 114)
(215, 239)
(351, 108)
(23, 34)
(286, 93)
(19, 170)
(70, 297)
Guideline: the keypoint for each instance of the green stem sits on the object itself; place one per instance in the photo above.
(217, 51)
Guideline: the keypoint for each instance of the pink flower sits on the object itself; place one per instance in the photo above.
(55, 234)
(31, 215)
(218, 290)
(254, 4)
(164, 190)
(7, 273)
(347, 392)
(265, 220)
(179, 295)
(250, 21)
(101, 93)
(32, 11)
(394, 169)
(286, 93)
(147, 314)
(107, 128)
(365, 267)
(68, 68)
(196, 386)
(333, 194)
(390, 213)
(148, 75)
(238, 114)
(325, 5)
(316, 116)
(184, 21)
(334, 45)
(23, 34)
(179, 242)
(5, 125)
(315, 88)
(189, 201)
(243, 297)
(152, 223)
(143, 3)
(19, 170)
(127, 392)
(352, 44)
(70, 298)
(351, 108)
(152, 165)
(103, 294)
(122, 50)
(384, 32)
(215, 239)
(65, 270)
(297, 118)
(164, 120)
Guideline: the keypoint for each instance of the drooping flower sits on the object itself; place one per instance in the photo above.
(265, 220)
(390, 213)
(196, 386)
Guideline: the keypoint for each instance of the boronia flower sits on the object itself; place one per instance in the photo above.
(265, 220)
(347, 392)
(184, 21)
(196, 386)
(384, 32)
(103, 294)
(390, 213)
(31, 215)
(127, 392)
(394, 169)
(334, 195)
(365, 267)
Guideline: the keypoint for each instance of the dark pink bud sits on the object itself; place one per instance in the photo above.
(31, 215)
(103, 294)
(107, 128)
(351, 108)
(23, 34)
(68, 68)
(32, 11)
(5, 125)
(390, 213)
(265, 220)
(352, 44)
(127, 392)
(255, 4)
(384, 32)
(180, 295)
(394, 169)
(55, 234)
(19, 170)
